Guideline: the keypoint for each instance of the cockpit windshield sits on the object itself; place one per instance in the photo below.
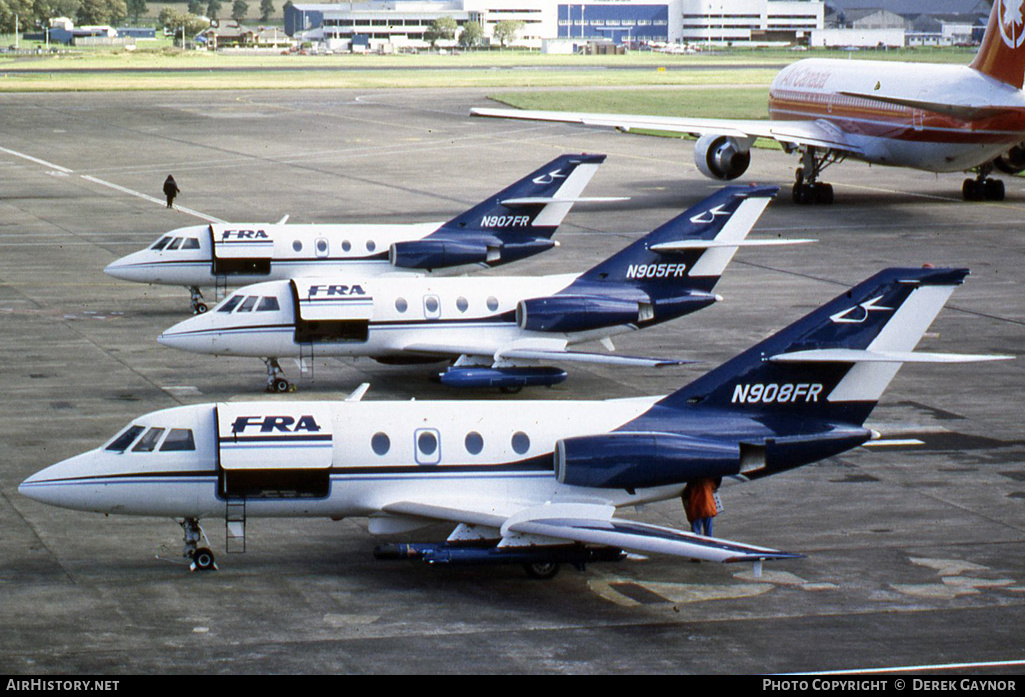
(177, 439)
(247, 303)
(170, 244)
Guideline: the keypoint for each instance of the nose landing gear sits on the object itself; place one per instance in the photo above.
(198, 306)
(202, 557)
(276, 381)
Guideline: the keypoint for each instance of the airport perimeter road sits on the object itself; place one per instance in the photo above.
(915, 552)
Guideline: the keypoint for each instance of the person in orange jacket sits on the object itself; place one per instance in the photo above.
(700, 505)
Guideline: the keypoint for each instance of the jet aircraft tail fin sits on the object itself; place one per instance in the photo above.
(835, 363)
(532, 207)
(1002, 52)
(691, 251)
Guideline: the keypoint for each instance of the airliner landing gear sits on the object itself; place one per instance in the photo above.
(276, 381)
(982, 188)
(807, 189)
(198, 306)
(542, 571)
(202, 558)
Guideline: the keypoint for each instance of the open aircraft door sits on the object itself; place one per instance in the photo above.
(331, 312)
(278, 451)
(241, 252)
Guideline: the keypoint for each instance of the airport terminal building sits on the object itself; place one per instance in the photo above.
(394, 24)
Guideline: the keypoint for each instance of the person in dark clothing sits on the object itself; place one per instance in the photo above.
(170, 190)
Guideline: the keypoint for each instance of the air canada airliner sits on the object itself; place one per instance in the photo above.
(513, 224)
(936, 118)
(537, 483)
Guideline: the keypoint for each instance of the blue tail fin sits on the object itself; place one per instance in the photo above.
(690, 251)
(834, 363)
(533, 207)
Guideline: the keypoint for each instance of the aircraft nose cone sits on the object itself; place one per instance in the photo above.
(49, 485)
(189, 335)
(129, 268)
(116, 269)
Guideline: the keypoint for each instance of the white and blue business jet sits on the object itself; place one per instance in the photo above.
(537, 483)
(513, 224)
(499, 331)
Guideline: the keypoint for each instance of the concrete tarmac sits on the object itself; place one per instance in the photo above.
(915, 553)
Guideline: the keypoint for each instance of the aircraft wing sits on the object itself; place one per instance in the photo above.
(590, 524)
(794, 133)
(548, 351)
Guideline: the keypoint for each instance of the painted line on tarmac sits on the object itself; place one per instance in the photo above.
(909, 669)
(147, 197)
(122, 189)
(44, 163)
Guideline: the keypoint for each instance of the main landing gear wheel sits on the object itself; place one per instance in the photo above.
(807, 188)
(812, 193)
(983, 189)
(542, 570)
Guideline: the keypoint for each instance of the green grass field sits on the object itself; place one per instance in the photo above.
(160, 67)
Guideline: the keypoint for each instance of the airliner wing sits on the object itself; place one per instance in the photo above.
(589, 524)
(549, 351)
(795, 133)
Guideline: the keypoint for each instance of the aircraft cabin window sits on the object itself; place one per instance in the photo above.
(380, 444)
(247, 305)
(148, 443)
(322, 246)
(268, 304)
(520, 442)
(191, 243)
(230, 303)
(371, 246)
(297, 246)
(427, 442)
(175, 243)
(462, 304)
(346, 245)
(161, 243)
(121, 443)
(401, 305)
(178, 439)
(492, 303)
(474, 443)
(431, 304)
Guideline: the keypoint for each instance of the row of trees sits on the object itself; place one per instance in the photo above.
(472, 35)
(37, 13)
(29, 14)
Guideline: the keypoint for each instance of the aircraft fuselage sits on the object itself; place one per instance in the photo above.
(892, 123)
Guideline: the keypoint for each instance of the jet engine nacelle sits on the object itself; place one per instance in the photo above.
(576, 313)
(641, 460)
(1012, 161)
(438, 254)
(722, 157)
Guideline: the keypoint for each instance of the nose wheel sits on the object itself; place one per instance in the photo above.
(202, 558)
(276, 381)
(198, 306)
